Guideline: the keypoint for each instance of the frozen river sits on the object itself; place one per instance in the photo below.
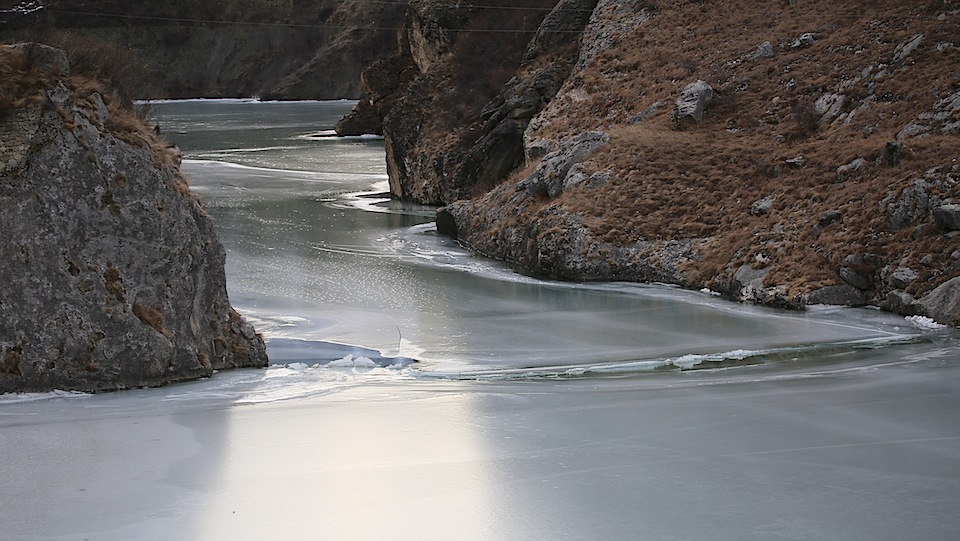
(418, 392)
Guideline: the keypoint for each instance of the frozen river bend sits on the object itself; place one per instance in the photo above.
(535, 410)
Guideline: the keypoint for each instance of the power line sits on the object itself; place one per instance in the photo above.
(469, 6)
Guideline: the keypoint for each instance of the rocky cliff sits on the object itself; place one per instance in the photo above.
(453, 59)
(235, 48)
(787, 153)
(113, 276)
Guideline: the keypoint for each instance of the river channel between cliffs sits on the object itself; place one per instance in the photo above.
(418, 392)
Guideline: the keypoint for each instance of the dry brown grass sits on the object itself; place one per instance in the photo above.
(20, 83)
(114, 284)
(689, 41)
(11, 361)
(121, 74)
(150, 317)
(699, 184)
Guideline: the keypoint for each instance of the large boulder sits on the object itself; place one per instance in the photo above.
(43, 57)
(840, 294)
(943, 303)
(113, 277)
(691, 103)
(550, 175)
(947, 217)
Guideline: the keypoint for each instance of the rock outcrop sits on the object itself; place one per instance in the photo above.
(382, 83)
(435, 157)
(114, 277)
(691, 104)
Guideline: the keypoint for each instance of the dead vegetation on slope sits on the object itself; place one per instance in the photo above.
(783, 120)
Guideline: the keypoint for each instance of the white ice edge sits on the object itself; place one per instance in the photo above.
(17, 398)
(251, 100)
(207, 162)
(683, 362)
(925, 323)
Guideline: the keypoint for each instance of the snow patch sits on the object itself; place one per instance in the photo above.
(16, 398)
(924, 323)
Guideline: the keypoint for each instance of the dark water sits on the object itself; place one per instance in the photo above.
(537, 410)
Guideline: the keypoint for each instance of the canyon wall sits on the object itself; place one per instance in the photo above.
(789, 154)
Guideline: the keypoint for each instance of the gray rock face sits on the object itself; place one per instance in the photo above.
(565, 21)
(947, 217)
(912, 205)
(829, 217)
(762, 206)
(691, 103)
(858, 270)
(855, 279)
(609, 22)
(902, 277)
(764, 50)
(943, 303)
(431, 165)
(850, 170)
(806, 39)
(747, 282)
(44, 58)
(840, 295)
(550, 176)
(893, 153)
(382, 82)
(113, 275)
(900, 302)
(499, 149)
(907, 47)
(430, 31)
(828, 106)
(556, 245)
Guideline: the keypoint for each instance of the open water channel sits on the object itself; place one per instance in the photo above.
(418, 392)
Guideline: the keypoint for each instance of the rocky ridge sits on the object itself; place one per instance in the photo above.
(114, 276)
(791, 154)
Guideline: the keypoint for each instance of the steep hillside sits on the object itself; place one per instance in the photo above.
(790, 153)
(276, 49)
(113, 276)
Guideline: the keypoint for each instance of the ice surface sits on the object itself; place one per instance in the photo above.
(417, 392)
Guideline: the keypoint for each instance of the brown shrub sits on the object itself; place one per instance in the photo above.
(11, 361)
(114, 284)
(121, 73)
(20, 85)
(150, 317)
(805, 115)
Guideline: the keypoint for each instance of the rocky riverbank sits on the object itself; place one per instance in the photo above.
(789, 154)
(113, 277)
